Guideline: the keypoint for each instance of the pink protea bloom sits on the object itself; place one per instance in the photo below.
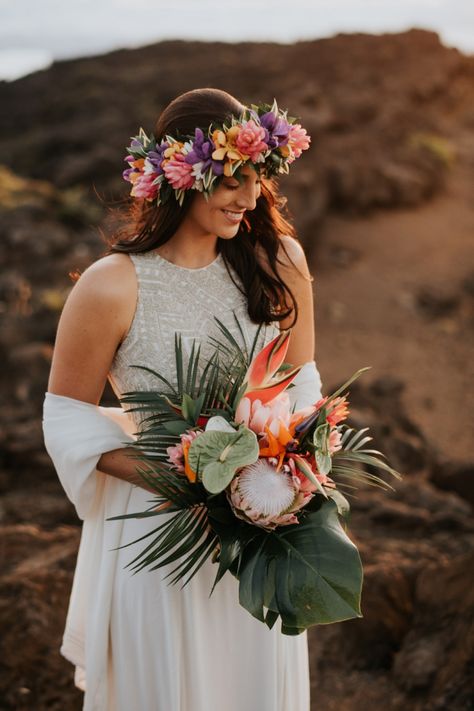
(249, 140)
(255, 415)
(143, 186)
(298, 139)
(176, 453)
(178, 172)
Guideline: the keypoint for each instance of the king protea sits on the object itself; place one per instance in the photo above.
(265, 496)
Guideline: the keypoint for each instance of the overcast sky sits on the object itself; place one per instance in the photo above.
(35, 32)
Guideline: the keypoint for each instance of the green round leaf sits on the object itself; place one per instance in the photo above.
(215, 456)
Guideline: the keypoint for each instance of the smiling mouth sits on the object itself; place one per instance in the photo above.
(232, 216)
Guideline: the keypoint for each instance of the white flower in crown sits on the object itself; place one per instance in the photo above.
(198, 172)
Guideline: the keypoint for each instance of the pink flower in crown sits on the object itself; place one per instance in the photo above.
(178, 172)
(298, 140)
(143, 187)
(250, 140)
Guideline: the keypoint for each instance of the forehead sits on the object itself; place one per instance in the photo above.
(248, 171)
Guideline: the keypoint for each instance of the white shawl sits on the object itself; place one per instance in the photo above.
(76, 434)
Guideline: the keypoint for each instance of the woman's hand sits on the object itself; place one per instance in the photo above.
(122, 464)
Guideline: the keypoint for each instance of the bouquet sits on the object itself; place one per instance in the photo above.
(253, 484)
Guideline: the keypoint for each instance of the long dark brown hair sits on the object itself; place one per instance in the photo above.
(144, 226)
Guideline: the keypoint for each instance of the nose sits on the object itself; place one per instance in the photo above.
(247, 195)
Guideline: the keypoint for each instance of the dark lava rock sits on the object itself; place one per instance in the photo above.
(435, 302)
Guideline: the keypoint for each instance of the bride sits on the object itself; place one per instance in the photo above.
(205, 236)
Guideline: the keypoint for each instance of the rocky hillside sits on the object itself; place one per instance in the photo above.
(383, 204)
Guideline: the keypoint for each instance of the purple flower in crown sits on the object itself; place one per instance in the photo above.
(201, 153)
(156, 157)
(126, 173)
(276, 129)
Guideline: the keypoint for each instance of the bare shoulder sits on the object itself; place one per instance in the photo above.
(94, 321)
(105, 291)
(291, 254)
(107, 272)
(110, 279)
(291, 258)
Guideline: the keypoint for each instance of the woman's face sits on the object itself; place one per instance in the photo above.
(222, 214)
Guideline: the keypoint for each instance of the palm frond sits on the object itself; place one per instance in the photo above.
(193, 369)
(156, 374)
(204, 550)
(359, 475)
(352, 441)
(178, 350)
(353, 444)
(232, 346)
(180, 539)
(353, 377)
(362, 456)
(183, 537)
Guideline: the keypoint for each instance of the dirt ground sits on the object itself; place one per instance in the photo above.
(394, 291)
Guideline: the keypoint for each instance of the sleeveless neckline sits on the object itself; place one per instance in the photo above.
(172, 265)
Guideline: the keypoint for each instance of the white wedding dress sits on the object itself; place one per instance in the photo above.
(174, 649)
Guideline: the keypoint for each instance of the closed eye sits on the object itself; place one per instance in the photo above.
(234, 187)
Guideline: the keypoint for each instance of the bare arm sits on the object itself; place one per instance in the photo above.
(302, 340)
(95, 319)
(120, 463)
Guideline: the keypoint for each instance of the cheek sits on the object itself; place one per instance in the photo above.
(202, 211)
(218, 203)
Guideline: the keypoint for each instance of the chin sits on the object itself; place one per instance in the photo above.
(228, 231)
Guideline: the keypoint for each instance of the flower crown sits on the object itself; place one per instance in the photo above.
(263, 136)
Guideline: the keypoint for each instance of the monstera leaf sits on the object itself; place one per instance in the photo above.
(216, 455)
(308, 573)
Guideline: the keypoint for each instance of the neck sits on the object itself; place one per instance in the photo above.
(190, 248)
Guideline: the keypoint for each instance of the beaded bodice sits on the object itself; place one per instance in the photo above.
(173, 299)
